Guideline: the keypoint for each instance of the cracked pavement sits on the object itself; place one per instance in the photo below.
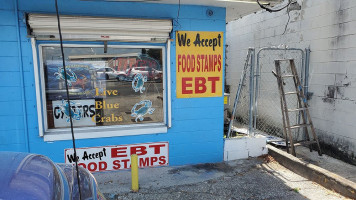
(255, 178)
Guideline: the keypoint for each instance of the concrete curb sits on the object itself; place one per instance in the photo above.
(314, 173)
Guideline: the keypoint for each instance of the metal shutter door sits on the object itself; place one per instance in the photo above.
(44, 27)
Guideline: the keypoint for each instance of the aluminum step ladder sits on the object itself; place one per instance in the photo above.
(302, 107)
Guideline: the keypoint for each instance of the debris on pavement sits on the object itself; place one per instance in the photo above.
(255, 178)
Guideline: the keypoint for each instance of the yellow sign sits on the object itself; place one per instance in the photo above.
(199, 58)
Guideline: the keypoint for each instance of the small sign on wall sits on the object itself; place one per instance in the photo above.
(108, 158)
(82, 112)
(199, 64)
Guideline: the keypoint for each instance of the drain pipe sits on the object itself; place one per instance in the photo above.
(251, 111)
(23, 96)
(306, 77)
(306, 83)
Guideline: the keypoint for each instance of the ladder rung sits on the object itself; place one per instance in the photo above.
(275, 140)
(291, 93)
(296, 109)
(299, 126)
(288, 76)
(305, 143)
(279, 60)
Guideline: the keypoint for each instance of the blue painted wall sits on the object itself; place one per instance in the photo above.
(196, 135)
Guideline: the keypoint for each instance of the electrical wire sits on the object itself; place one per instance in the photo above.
(178, 9)
(285, 28)
(68, 99)
(272, 10)
(288, 10)
(178, 13)
(277, 10)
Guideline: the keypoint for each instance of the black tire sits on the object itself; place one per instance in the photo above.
(106, 77)
(121, 78)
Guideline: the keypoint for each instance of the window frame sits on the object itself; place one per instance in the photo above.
(99, 131)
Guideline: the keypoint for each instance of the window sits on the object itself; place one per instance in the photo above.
(123, 87)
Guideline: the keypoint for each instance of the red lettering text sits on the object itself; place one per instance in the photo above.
(116, 164)
(118, 152)
(213, 83)
(125, 163)
(144, 162)
(153, 160)
(139, 150)
(200, 85)
(157, 147)
(103, 166)
(186, 85)
(92, 166)
(162, 160)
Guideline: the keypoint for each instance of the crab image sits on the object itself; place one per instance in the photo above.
(146, 107)
(71, 76)
(81, 82)
(138, 82)
(75, 113)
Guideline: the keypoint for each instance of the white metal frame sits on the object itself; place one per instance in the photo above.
(105, 131)
(168, 82)
(37, 85)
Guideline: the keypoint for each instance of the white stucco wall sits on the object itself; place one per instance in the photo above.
(328, 27)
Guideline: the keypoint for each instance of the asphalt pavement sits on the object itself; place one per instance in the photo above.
(254, 178)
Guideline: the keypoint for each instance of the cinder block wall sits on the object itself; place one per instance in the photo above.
(328, 27)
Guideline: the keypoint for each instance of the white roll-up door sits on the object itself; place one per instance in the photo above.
(45, 27)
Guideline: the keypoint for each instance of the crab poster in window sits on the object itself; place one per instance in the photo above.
(81, 80)
(82, 112)
(199, 64)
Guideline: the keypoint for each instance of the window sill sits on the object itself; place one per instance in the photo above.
(100, 132)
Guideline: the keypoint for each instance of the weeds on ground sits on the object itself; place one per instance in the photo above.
(296, 190)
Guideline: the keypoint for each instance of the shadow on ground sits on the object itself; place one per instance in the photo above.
(241, 179)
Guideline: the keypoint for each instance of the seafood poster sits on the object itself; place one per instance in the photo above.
(108, 158)
(199, 64)
(80, 79)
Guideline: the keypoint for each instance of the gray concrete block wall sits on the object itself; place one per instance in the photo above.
(328, 27)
